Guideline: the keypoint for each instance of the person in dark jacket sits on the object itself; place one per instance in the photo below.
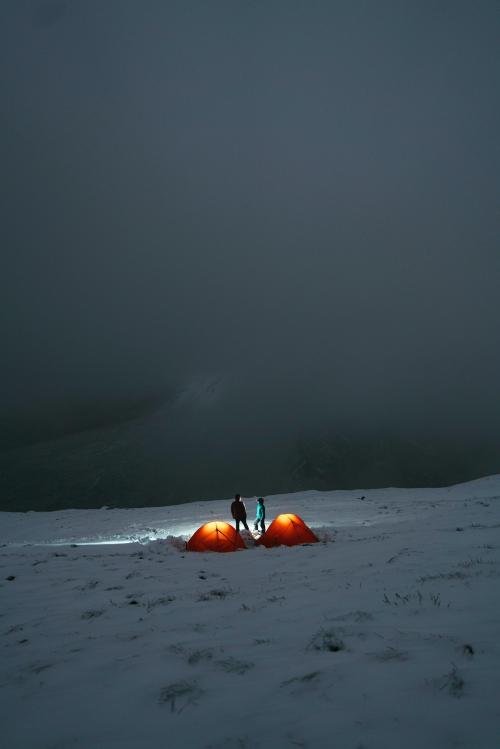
(260, 515)
(239, 512)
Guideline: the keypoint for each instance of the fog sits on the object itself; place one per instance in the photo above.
(301, 198)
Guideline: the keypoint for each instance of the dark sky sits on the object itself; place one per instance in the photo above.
(301, 194)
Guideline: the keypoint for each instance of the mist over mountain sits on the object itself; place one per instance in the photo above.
(199, 443)
(296, 202)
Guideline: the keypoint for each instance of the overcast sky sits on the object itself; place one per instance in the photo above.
(302, 194)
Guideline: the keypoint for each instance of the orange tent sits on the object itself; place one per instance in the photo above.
(215, 536)
(287, 530)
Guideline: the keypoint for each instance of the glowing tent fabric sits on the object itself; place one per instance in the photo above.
(287, 530)
(215, 536)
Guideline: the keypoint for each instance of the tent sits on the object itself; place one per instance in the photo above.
(287, 530)
(215, 536)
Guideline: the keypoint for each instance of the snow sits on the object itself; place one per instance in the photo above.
(382, 636)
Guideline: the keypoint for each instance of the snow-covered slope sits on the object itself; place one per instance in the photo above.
(383, 635)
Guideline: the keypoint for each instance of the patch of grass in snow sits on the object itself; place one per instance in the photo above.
(215, 594)
(180, 694)
(92, 613)
(192, 656)
(467, 563)
(162, 601)
(195, 656)
(399, 599)
(14, 628)
(234, 666)
(244, 607)
(443, 576)
(452, 683)
(198, 655)
(328, 640)
(301, 679)
(88, 586)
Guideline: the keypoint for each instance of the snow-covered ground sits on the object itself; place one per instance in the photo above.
(384, 635)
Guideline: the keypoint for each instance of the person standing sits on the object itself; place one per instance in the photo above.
(260, 515)
(239, 512)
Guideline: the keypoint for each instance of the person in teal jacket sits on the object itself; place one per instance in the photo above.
(260, 516)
